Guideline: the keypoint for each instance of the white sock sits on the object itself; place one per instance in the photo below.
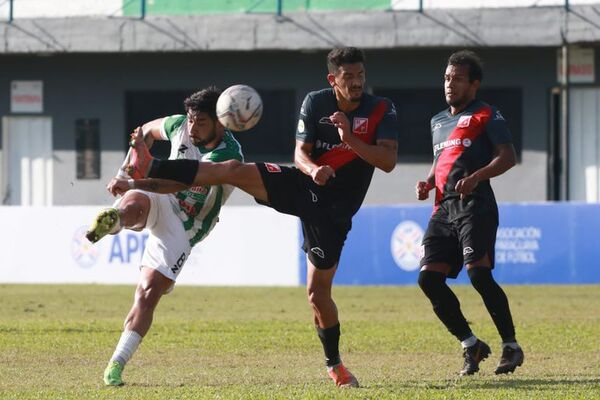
(512, 345)
(128, 344)
(468, 342)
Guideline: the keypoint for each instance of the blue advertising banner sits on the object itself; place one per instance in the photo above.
(545, 243)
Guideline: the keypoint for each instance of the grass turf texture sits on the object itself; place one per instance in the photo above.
(255, 343)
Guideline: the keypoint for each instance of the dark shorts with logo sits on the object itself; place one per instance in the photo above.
(292, 192)
(460, 241)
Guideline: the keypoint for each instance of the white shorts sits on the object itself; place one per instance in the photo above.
(168, 246)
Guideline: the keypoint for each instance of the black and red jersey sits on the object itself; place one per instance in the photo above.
(374, 119)
(462, 144)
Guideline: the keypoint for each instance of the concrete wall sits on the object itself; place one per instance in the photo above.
(94, 86)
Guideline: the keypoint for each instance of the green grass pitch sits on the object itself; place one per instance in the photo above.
(259, 343)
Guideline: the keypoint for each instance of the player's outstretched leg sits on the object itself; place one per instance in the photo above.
(512, 357)
(112, 374)
(473, 356)
(106, 222)
(141, 159)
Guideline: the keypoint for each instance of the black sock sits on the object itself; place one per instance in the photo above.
(183, 171)
(330, 338)
(495, 301)
(445, 304)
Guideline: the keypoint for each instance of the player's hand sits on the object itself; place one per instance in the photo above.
(321, 175)
(342, 123)
(118, 186)
(465, 186)
(422, 189)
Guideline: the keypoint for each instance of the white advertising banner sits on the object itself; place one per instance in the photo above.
(582, 65)
(251, 245)
(26, 97)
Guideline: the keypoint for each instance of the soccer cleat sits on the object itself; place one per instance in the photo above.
(473, 356)
(510, 360)
(141, 159)
(112, 374)
(342, 377)
(107, 221)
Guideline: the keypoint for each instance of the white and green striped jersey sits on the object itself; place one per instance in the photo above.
(198, 207)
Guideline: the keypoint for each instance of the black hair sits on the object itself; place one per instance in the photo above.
(470, 59)
(204, 101)
(343, 55)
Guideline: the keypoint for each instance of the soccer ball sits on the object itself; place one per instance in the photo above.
(239, 108)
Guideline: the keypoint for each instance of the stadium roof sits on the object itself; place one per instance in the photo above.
(505, 27)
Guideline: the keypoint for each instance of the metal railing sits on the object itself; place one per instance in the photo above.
(12, 9)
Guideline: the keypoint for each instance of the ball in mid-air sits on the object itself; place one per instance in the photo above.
(239, 108)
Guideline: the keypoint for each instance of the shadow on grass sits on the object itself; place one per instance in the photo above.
(485, 383)
(519, 383)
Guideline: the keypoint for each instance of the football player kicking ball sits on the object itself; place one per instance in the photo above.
(343, 134)
(176, 222)
(471, 144)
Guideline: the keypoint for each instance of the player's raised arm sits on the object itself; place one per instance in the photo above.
(150, 132)
(383, 154)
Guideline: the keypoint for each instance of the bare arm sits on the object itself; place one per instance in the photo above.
(423, 188)
(319, 174)
(382, 154)
(151, 131)
(505, 158)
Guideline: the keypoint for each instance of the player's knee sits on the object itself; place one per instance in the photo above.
(431, 282)
(132, 213)
(148, 296)
(316, 297)
(481, 278)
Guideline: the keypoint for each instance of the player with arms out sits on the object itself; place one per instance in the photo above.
(176, 221)
(471, 144)
(343, 134)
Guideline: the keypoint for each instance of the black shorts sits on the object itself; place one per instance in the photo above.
(461, 241)
(292, 192)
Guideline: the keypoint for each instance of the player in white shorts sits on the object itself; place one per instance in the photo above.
(176, 221)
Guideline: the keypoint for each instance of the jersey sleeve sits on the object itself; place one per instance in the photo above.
(497, 129)
(307, 128)
(388, 127)
(170, 125)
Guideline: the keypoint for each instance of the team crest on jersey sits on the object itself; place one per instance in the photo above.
(360, 125)
(466, 142)
(199, 189)
(464, 121)
(273, 168)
